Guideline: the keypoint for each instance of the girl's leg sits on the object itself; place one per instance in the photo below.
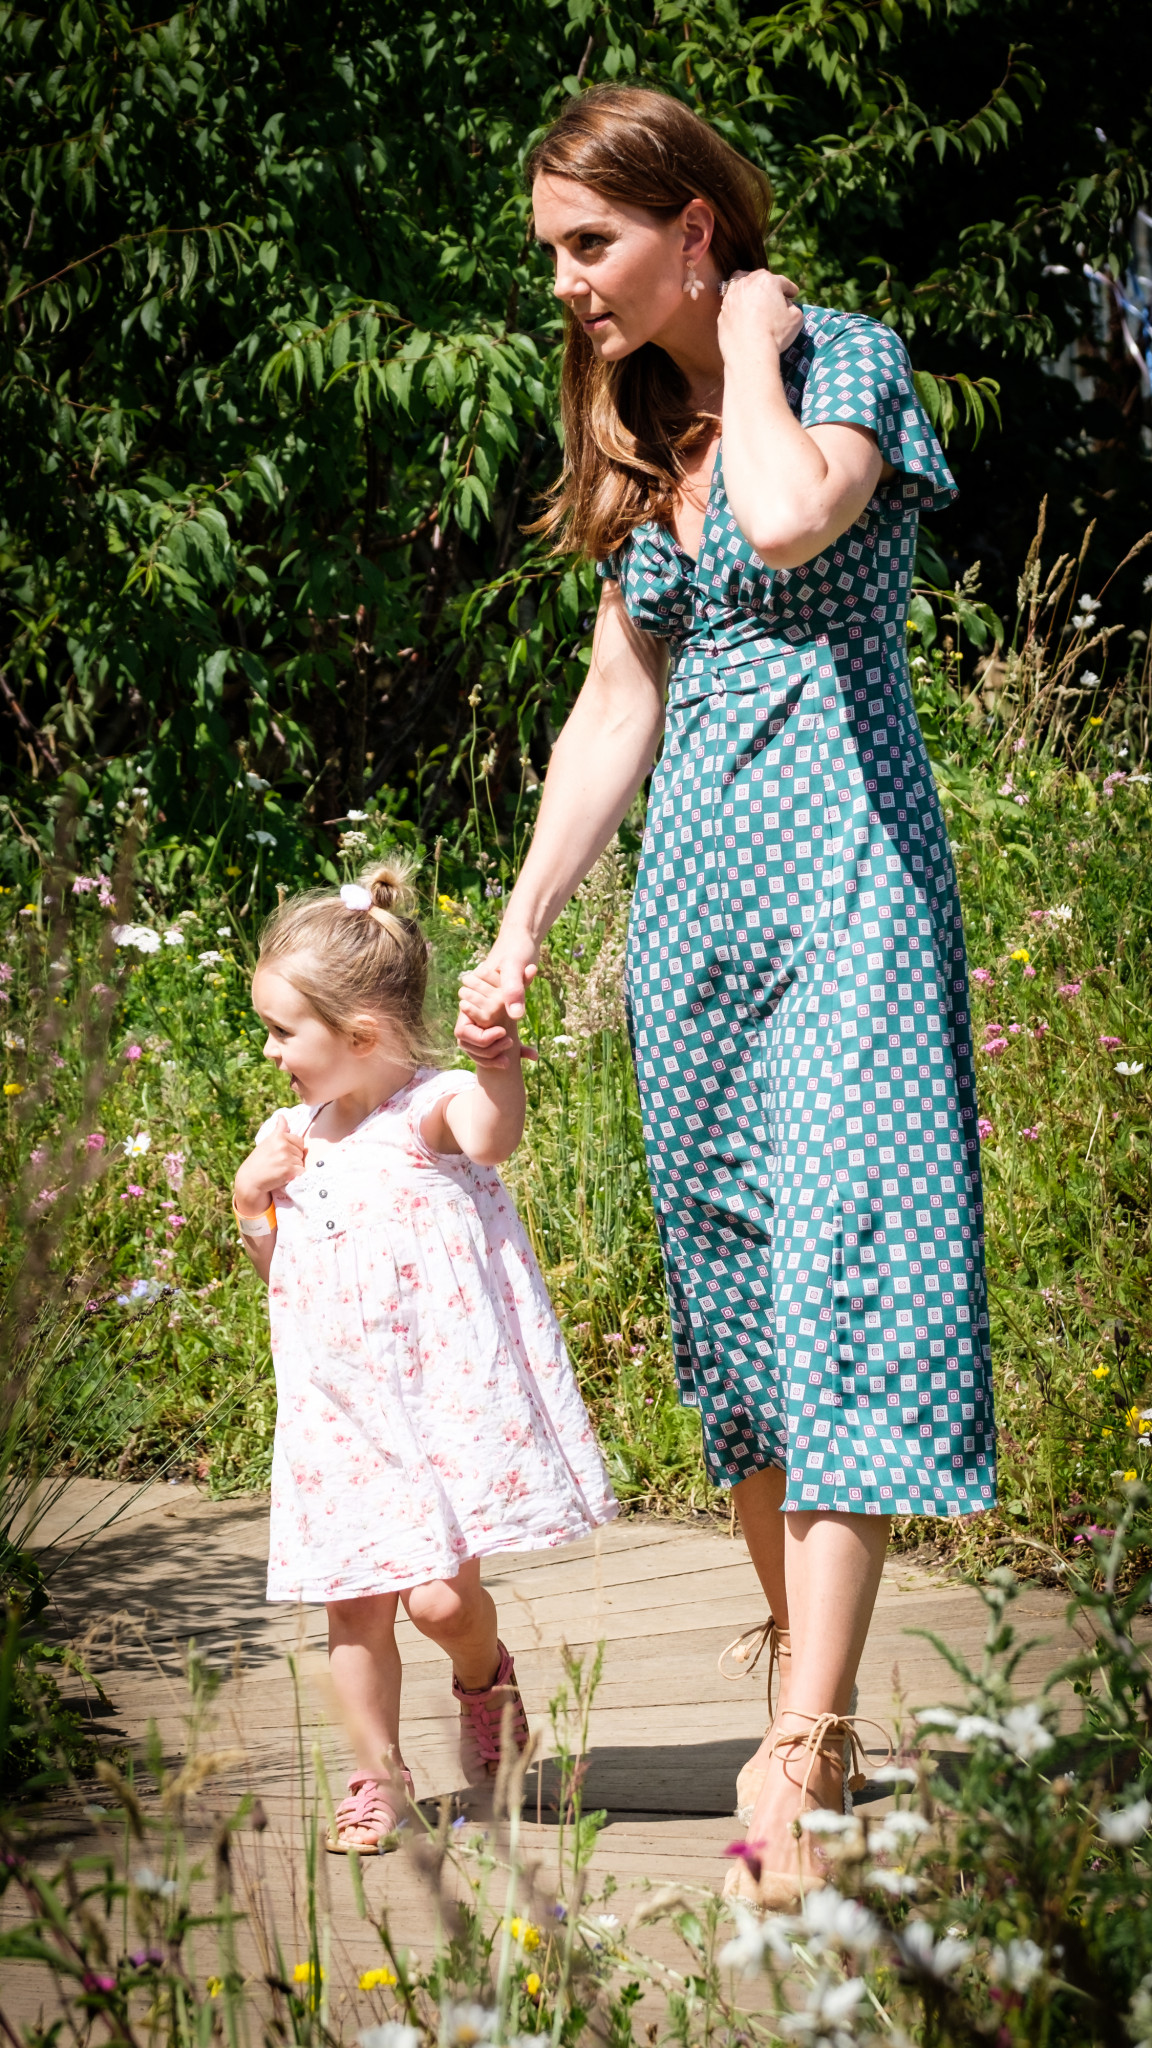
(758, 1501)
(832, 1566)
(366, 1674)
(460, 1616)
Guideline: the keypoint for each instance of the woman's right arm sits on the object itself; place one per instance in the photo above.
(599, 761)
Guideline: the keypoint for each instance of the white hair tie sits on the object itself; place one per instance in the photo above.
(354, 896)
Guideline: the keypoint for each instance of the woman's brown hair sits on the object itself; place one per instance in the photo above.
(627, 424)
(349, 963)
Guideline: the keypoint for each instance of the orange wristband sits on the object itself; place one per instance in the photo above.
(256, 1226)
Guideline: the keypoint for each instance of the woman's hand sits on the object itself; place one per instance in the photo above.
(498, 984)
(758, 312)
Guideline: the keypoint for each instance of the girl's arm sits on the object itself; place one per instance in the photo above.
(598, 763)
(486, 1123)
(793, 490)
(270, 1165)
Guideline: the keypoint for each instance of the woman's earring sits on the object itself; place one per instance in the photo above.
(692, 284)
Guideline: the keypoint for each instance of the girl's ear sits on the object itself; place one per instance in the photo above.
(364, 1035)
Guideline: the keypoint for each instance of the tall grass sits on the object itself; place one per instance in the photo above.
(1042, 775)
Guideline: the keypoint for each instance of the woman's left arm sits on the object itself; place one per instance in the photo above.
(793, 490)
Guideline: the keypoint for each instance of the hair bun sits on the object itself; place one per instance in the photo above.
(389, 883)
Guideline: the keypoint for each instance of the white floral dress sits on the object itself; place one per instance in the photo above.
(426, 1408)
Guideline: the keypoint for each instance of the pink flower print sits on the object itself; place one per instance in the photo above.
(984, 976)
(1069, 990)
(986, 1128)
(1109, 1044)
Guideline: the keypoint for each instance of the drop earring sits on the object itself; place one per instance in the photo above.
(692, 284)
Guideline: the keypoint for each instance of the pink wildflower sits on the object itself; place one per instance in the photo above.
(84, 883)
(986, 1128)
(1109, 1044)
(1029, 974)
(1014, 1029)
(984, 976)
(613, 1337)
(38, 1156)
(174, 1164)
(175, 1222)
(994, 1047)
(1033, 1133)
(1041, 1028)
(1069, 990)
(134, 1052)
(1037, 916)
(95, 1141)
(131, 1191)
(5, 971)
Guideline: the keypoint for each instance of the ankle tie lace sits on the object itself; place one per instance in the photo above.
(828, 1735)
(746, 1651)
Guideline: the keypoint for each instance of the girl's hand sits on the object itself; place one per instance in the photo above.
(271, 1164)
(495, 991)
(758, 312)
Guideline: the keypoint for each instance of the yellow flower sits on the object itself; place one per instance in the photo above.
(1022, 954)
(305, 1973)
(13, 1088)
(1132, 1418)
(214, 1986)
(1095, 721)
(1105, 1432)
(231, 871)
(28, 908)
(1130, 1475)
(1101, 1372)
(524, 1932)
(376, 1980)
(532, 1984)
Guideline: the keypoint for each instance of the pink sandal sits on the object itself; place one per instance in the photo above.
(481, 1714)
(372, 1803)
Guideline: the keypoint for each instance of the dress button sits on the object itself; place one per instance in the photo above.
(323, 1194)
(331, 1224)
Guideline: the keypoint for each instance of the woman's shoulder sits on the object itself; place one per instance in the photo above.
(833, 329)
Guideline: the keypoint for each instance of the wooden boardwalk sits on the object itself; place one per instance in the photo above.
(668, 1734)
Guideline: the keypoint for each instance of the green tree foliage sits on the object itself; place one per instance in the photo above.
(279, 358)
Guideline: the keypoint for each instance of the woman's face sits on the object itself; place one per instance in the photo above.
(621, 270)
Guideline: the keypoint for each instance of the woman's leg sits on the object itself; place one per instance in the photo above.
(832, 1567)
(460, 1616)
(366, 1675)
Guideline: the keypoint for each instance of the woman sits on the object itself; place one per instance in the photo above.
(749, 474)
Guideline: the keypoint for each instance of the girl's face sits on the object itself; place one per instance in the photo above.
(621, 270)
(321, 1064)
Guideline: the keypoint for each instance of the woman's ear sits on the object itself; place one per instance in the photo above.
(698, 223)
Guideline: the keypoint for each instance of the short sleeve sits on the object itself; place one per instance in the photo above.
(430, 1089)
(860, 376)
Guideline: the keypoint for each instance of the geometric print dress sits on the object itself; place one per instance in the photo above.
(798, 997)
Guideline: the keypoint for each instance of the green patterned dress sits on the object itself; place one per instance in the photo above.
(798, 997)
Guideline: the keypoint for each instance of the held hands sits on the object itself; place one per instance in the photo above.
(492, 1002)
(758, 312)
(271, 1164)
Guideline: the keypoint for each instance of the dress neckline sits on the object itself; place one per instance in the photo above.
(388, 1102)
(693, 561)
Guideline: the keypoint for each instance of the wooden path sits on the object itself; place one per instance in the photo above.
(668, 1734)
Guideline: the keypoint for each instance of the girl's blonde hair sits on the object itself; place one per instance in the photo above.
(347, 963)
(628, 425)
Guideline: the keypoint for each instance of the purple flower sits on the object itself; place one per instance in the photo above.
(1069, 990)
(84, 883)
(1033, 1133)
(95, 1141)
(613, 1337)
(1029, 974)
(1109, 1044)
(994, 1047)
(131, 1192)
(984, 976)
(174, 1164)
(98, 1980)
(746, 1854)
(985, 1127)
(134, 1052)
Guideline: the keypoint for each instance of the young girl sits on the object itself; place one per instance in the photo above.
(427, 1415)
